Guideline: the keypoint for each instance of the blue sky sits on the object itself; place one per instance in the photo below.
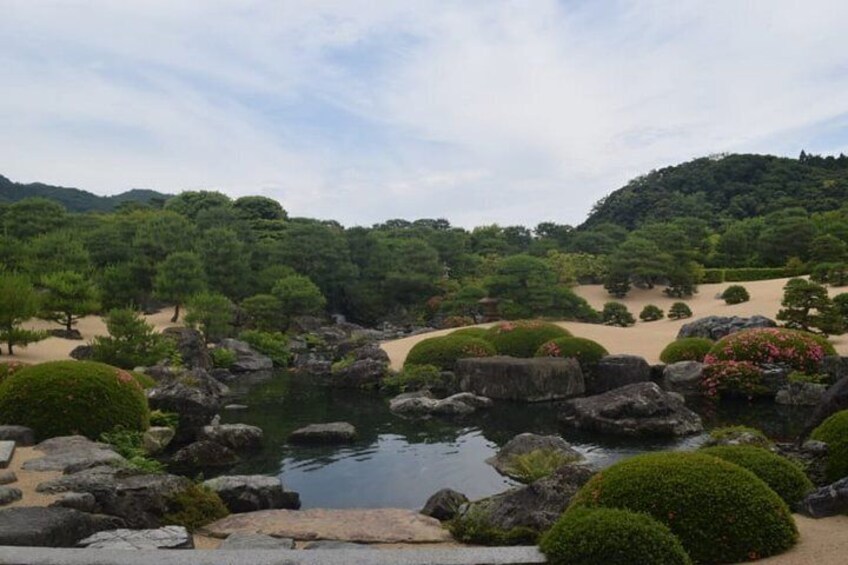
(360, 111)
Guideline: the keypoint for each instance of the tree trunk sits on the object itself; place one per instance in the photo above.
(69, 323)
(176, 315)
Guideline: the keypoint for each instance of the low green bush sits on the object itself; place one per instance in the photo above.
(457, 321)
(222, 358)
(9, 368)
(799, 350)
(443, 352)
(735, 294)
(611, 536)
(617, 314)
(143, 380)
(131, 342)
(537, 464)
(63, 398)
(679, 310)
(586, 351)
(473, 332)
(686, 349)
(413, 377)
(738, 435)
(129, 445)
(522, 338)
(834, 432)
(194, 507)
(783, 476)
(273, 344)
(162, 419)
(743, 274)
(721, 512)
(651, 313)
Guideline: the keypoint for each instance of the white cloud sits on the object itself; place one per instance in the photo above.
(478, 111)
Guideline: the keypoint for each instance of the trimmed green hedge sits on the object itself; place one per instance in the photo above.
(473, 332)
(586, 351)
(443, 352)
(686, 349)
(523, 338)
(721, 512)
(800, 350)
(834, 432)
(610, 536)
(744, 274)
(73, 397)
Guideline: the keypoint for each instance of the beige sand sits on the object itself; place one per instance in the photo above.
(28, 480)
(648, 338)
(823, 542)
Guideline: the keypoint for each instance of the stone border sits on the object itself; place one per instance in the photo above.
(458, 556)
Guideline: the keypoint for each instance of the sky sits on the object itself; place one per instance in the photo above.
(477, 111)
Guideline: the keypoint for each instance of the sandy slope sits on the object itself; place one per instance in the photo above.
(648, 338)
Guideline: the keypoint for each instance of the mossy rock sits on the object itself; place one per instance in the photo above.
(834, 432)
(738, 435)
(721, 512)
(584, 536)
(523, 338)
(587, 352)
(799, 350)
(195, 507)
(686, 349)
(62, 398)
(443, 352)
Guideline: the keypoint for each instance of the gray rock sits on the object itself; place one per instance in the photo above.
(641, 409)
(236, 407)
(425, 405)
(801, 394)
(21, 435)
(444, 504)
(204, 454)
(82, 501)
(738, 437)
(70, 454)
(528, 380)
(683, 377)
(7, 451)
(81, 353)
(255, 541)
(835, 367)
(332, 432)
(775, 377)
(716, 327)
(334, 544)
(248, 493)
(830, 500)
(614, 371)
(835, 399)
(811, 455)
(526, 443)
(361, 373)
(238, 437)
(9, 495)
(191, 347)
(194, 395)
(247, 359)
(167, 537)
(156, 439)
(7, 477)
(50, 527)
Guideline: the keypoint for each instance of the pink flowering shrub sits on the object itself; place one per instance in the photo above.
(523, 338)
(737, 378)
(799, 350)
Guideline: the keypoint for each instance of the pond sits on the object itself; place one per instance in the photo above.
(399, 463)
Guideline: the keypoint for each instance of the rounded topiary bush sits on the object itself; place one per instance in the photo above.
(782, 475)
(679, 310)
(735, 294)
(73, 397)
(721, 512)
(473, 332)
(610, 536)
(617, 314)
(586, 351)
(443, 352)
(799, 350)
(651, 313)
(523, 338)
(686, 349)
(834, 432)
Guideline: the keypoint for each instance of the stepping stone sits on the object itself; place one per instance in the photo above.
(7, 450)
(70, 454)
(21, 435)
(168, 537)
(7, 477)
(256, 541)
(332, 432)
(9, 495)
(373, 525)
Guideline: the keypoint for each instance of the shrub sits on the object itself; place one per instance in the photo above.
(9, 368)
(834, 432)
(523, 338)
(144, 381)
(651, 313)
(616, 314)
(679, 310)
(799, 350)
(537, 464)
(735, 294)
(734, 378)
(474, 526)
(194, 507)
(457, 321)
(222, 358)
(611, 536)
(783, 476)
(413, 377)
(475, 332)
(273, 344)
(128, 444)
(164, 419)
(754, 274)
(721, 512)
(132, 342)
(738, 435)
(63, 398)
(443, 352)
(686, 349)
(586, 351)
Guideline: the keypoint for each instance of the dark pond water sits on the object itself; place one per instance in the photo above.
(399, 463)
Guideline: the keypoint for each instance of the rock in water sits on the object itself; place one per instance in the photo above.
(614, 371)
(525, 443)
(683, 377)
(444, 504)
(528, 380)
(248, 493)
(247, 359)
(332, 432)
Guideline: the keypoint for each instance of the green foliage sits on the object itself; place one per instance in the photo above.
(212, 314)
(807, 307)
(474, 527)
(259, 208)
(132, 342)
(701, 499)
(192, 202)
(62, 398)
(9, 368)
(735, 294)
(783, 476)
(610, 536)
(537, 464)
(586, 351)
(264, 312)
(834, 432)
(178, 277)
(66, 297)
(686, 349)
(226, 262)
(679, 310)
(651, 313)
(128, 444)
(744, 274)
(413, 377)
(222, 358)
(194, 507)
(273, 344)
(144, 381)
(733, 378)
(617, 314)
(164, 419)
(18, 303)
(523, 338)
(481, 332)
(298, 296)
(730, 434)
(799, 350)
(443, 352)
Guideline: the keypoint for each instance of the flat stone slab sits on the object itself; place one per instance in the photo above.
(256, 541)
(7, 450)
(381, 525)
(70, 454)
(168, 537)
(21, 435)
(7, 477)
(329, 433)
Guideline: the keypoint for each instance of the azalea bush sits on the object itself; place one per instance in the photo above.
(735, 378)
(799, 350)
(522, 338)
(587, 352)
(686, 349)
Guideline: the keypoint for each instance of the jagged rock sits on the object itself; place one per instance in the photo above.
(70, 454)
(248, 493)
(834, 400)
(360, 373)
(240, 540)
(320, 369)
(205, 454)
(238, 437)
(194, 396)
(191, 347)
(9, 495)
(444, 504)
(775, 376)
(525, 443)
(683, 377)
(529, 380)
(332, 432)
(716, 327)
(614, 371)
(639, 409)
(830, 500)
(811, 456)
(305, 324)
(835, 367)
(156, 439)
(50, 527)
(21, 435)
(167, 537)
(82, 501)
(81, 353)
(801, 394)
(423, 404)
(247, 359)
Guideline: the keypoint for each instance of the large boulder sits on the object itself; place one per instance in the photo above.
(528, 380)
(191, 346)
(422, 403)
(830, 500)
(50, 526)
(329, 433)
(238, 437)
(70, 454)
(835, 367)
(166, 537)
(523, 444)
(801, 394)
(716, 327)
(247, 360)
(614, 371)
(21, 435)
(358, 373)
(204, 454)
(641, 409)
(194, 396)
(811, 456)
(444, 504)
(835, 399)
(683, 377)
(248, 493)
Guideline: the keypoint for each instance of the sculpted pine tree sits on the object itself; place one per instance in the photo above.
(807, 307)
(67, 297)
(179, 276)
(18, 303)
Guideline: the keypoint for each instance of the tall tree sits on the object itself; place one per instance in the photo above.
(67, 297)
(178, 277)
(18, 303)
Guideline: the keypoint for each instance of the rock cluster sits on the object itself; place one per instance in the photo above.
(716, 327)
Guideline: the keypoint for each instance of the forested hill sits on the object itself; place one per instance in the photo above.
(727, 187)
(74, 199)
